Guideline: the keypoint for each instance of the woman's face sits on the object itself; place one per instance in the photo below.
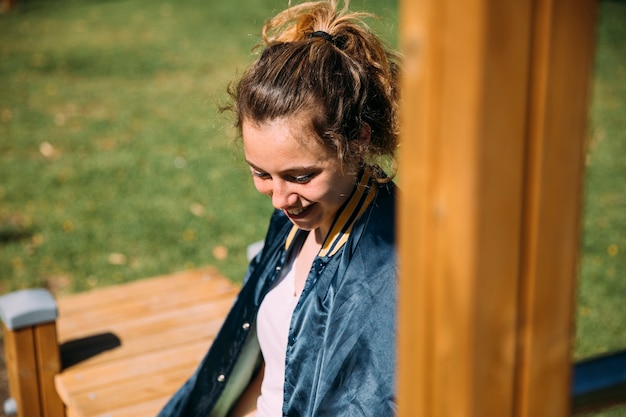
(289, 164)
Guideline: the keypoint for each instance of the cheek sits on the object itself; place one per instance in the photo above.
(337, 192)
(263, 186)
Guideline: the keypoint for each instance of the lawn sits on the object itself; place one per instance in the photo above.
(601, 312)
(115, 163)
(602, 289)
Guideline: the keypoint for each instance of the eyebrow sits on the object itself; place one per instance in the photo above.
(288, 170)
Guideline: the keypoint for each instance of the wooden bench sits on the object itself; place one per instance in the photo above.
(118, 351)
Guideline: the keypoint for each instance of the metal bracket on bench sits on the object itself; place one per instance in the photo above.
(26, 308)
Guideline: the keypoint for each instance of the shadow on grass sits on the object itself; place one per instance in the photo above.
(10, 232)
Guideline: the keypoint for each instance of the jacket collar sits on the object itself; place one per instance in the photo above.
(348, 214)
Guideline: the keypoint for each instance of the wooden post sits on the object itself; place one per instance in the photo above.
(32, 352)
(22, 370)
(48, 365)
(494, 110)
(32, 358)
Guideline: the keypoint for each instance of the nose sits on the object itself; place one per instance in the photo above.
(282, 195)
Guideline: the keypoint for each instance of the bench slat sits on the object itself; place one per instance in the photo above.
(86, 380)
(147, 408)
(77, 312)
(129, 382)
(125, 315)
(132, 392)
(146, 333)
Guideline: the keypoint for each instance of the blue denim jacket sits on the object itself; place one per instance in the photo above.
(341, 346)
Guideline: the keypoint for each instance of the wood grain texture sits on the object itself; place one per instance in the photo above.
(488, 220)
(161, 326)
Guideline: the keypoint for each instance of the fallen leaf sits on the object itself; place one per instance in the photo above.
(68, 226)
(117, 259)
(60, 119)
(47, 150)
(57, 283)
(197, 209)
(6, 115)
(220, 252)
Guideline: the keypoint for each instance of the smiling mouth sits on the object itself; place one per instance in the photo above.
(297, 212)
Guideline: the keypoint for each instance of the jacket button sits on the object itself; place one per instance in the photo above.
(245, 326)
(221, 378)
(278, 268)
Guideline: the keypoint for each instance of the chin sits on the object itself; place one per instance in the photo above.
(303, 225)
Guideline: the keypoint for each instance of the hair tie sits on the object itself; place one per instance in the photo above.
(322, 34)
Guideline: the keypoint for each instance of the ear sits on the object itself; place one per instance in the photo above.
(365, 134)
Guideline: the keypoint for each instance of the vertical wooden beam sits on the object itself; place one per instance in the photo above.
(460, 220)
(480, 175)
(562, 52)
(21, 363)
(48, 365)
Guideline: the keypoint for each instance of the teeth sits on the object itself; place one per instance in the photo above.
(295, 212)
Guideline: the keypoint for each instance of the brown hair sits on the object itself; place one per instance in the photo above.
(325, 61)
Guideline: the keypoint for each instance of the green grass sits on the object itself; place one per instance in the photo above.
(601, 313)
(602, 290)
(109, 138)
(115, 163)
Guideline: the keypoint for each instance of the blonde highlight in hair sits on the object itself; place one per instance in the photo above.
(324, 61)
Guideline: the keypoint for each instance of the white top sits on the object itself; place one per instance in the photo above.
(273, 320)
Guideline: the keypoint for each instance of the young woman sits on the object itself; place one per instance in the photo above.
(312, 332)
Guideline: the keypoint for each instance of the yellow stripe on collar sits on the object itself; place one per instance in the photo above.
(343, 237)
(291, 236)
(359, 201)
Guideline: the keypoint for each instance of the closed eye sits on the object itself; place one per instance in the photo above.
(259, 174)
(301, 179)
(286, 176)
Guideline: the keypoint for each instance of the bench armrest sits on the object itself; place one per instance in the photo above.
(26, 308)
